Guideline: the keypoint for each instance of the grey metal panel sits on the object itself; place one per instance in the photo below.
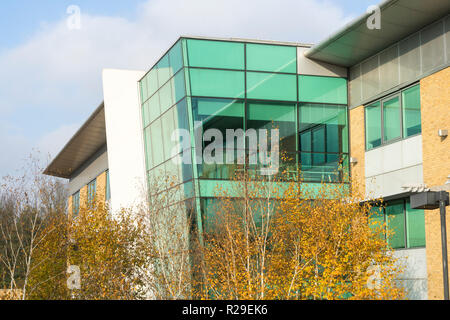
(87, 141)
(370, 77)
(432, 42)
(355, 85)
(399, 18)
(410, 58)
(447, 37)
(389, 70)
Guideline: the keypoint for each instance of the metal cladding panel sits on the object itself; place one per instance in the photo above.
(389, 70)
(399, 18)
(447, 37)
(410, 58)
(432, 39)
(355, 84)
(424, 200)
(370, 77)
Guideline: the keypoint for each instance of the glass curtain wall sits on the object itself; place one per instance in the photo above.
(228, 85)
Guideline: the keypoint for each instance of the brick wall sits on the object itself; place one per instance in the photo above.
(435, 101)
(357, 149)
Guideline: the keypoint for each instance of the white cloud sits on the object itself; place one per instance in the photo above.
(61, 69)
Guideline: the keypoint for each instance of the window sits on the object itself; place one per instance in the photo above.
(92, 189)
(166, 97)
(271, 86)
(322, 89)
(373, 125)
(157, 142)
(263, 57)
(323, 139)
(176, 58)
(76, 204)
(411, 111)
(393, 118)
(220, 114)
(217, 83)
(163, 70)
(215, 54)
(152, 82)
(406, 225)
(274, 115)
(153, 106)
(178, 86)
(108, 188)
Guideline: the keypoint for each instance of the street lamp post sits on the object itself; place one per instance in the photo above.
(431, 200)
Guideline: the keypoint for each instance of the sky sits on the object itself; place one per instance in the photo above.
(50, 74)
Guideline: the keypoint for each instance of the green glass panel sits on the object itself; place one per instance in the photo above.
(76, 204)
(323, 136)
(322, 89)
(166, 97)
(181, 121)
(152, 82)
(273, 115)
(391, 119)
(215, 54)
(176, 58)
(271, 86)
(415, 221)
(164, 71)
(148, 148)
(217, 83)
(157, 142)
(334, 120)
(396, 224)
(144, 94)
(219, 114)
(108, 187)
(153, 106)
(145, 114)
(92, 190)
(373, 125)
(178, 86)
(411, 111)
(262, 57)
(376, 218)
(168, 128)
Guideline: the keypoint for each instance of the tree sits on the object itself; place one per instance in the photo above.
(290, 241)
(27, 204)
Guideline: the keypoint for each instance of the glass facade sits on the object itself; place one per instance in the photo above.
(406, 226)
(229, 85)
(393, 118)
(75, 204)
(91, 191)
(108, 188)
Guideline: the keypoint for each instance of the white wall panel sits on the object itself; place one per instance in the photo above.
(124, 137)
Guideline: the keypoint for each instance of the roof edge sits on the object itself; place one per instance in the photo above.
(47, 170)
(349, 26)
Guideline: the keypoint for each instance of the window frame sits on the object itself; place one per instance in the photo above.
(405, 224)
(76, 196)
(399, 94)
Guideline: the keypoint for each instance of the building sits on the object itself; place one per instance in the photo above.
(370, 102)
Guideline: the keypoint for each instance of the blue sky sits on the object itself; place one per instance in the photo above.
(51, 76)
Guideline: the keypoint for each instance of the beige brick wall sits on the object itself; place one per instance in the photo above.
(101, 188)
(357, 149)
(435, 101)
